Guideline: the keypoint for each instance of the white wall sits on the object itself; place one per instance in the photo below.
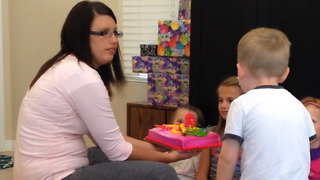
(2, 132)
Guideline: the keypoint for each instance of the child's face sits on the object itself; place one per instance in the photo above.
(226, 94)
(315, 116)
(181, 114)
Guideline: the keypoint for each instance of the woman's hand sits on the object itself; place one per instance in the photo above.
(181, 155)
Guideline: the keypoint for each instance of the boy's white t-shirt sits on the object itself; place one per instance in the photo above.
(275, 130)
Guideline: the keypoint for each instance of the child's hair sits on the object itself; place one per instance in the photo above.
(230, 81)
(310, 101)
(196, 110)
(265, 52)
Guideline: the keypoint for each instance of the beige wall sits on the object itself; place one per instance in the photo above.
(31, 36)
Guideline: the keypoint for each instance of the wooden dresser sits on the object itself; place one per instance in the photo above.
(141, 116)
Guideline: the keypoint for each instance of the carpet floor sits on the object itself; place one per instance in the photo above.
(6, 161)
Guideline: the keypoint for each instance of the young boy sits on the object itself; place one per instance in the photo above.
(268, 123)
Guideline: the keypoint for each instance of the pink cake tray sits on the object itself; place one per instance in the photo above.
(170, 146)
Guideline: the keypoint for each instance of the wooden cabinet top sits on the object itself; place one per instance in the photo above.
(148, 105)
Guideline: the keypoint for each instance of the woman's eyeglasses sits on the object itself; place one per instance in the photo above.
(107, 34)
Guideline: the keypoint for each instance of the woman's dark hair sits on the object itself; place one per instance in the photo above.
(75, 40)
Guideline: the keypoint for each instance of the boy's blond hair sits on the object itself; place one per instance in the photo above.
(264, 52)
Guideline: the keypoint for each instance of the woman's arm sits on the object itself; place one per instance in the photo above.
(97, 115)
(140, 153)
(142, 150)
(204, 165)
(145, 144)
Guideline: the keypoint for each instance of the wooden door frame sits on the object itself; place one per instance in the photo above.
(2, 115)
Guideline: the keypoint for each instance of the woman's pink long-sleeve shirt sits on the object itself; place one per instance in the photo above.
(67, 102)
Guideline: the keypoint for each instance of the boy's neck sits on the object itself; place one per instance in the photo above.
(255, 82)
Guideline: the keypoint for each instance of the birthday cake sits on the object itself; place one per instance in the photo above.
(179, 137)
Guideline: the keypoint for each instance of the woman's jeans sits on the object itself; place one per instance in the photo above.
(101, 168)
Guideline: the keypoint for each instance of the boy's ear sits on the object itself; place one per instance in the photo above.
(285, 75)
(241, 72)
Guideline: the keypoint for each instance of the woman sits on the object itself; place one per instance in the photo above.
(70, 97)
